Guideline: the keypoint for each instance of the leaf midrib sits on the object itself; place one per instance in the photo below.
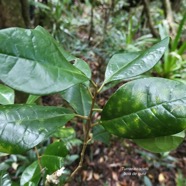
(48, 65)
(122, 68)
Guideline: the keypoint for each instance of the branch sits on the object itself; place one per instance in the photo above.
(169, 16)
(87, 136)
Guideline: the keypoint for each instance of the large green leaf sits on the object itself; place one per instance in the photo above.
(24, 126)
(128, 65)
(79, 98)
(146, 108)
(161, 144)
(32, 61)
(7, 95)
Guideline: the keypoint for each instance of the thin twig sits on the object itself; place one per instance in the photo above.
(95, 124)
(97, 109)
(38, 158)
(87, 130)
(82, 117)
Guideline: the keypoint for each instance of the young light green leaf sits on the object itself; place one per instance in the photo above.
(146, 108)
(31, 174)
(161, 144)
(24, 126)
(128, 65)
(79, 98)
(37, 67)
(32, 99)
(7, 95)
(68, 137)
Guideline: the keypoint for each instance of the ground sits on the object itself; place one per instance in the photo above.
(122, 163)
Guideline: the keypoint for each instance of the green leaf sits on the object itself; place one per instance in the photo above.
(117, 63)
(32, 99)
(7, 95)
(24, 126)
(5, 179)
(178, 35)
(83, 66)
(69, 57)
(65, 133)
(146, 108)
(79, 98)
(56, 149)
(147, 181)
(161, 144)
(78, 63)
(52, 163)
(4, 166)
(68, 137)
(128, 65)
(38, 67)
(31, 175)
(100, 134)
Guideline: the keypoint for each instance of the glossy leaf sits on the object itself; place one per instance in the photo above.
(79, 98)
(146, 108)
(24, 126)
(32, 99)
(78, 63)
(31, 175)
(52, 163)
(37, 67)
(56, 149)
(7, 95)
(68, 137)
(128, 65)
(161, 144)
(83, 66)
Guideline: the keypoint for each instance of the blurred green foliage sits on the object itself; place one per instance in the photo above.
(95, 30)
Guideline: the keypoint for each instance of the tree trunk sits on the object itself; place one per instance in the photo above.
(14, 13)
(148, 16)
